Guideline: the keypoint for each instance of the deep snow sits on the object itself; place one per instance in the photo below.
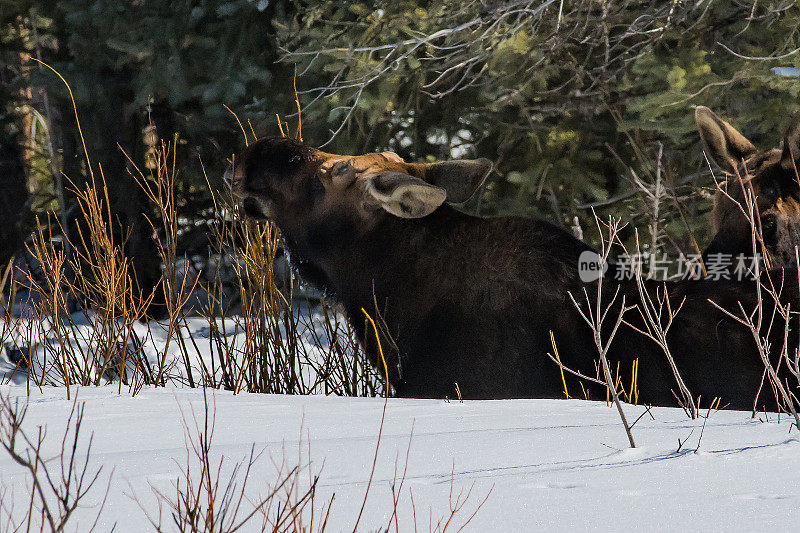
(551, 465)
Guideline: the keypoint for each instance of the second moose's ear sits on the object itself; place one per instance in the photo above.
(722, 143)
(790, 158)
(402, 195)
(460, 177)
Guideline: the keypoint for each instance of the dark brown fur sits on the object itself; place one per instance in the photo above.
(473, 301)
(771, 176)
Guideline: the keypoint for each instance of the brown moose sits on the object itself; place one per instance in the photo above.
(768, 176)
(473, 301)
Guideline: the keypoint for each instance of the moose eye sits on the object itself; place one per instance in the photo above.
(342, 169)
(770, 191)
(769, 227)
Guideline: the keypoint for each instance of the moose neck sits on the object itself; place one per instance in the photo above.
(390, 263)
(393, 271)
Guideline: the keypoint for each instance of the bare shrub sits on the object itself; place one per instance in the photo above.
(100, 343)
(205, 499)
(57, 486)
(657, 315)
(278, 341)
(595, 316)
(458, 500)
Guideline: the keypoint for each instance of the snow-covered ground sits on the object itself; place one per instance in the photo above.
(546, 465)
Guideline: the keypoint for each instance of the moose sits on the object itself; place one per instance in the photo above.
(765, 179)
(482, 304)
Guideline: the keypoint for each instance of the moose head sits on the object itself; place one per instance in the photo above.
(770, 177)
(280, 178)
(324, 203)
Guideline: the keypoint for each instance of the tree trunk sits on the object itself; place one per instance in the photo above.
(14, 198)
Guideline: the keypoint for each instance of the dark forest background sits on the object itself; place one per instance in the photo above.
(580, 103)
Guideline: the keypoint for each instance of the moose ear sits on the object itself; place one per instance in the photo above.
(722, 143)
(790, 159)
(460, 178)
(404, 196)
(391, 156)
